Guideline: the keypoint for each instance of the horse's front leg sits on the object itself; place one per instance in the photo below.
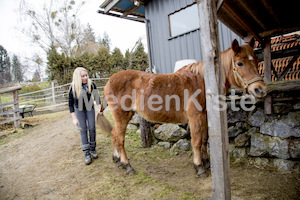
(198, 126)
(118, 137)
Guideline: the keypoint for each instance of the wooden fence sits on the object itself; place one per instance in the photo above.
(16, 111)
(54, 96)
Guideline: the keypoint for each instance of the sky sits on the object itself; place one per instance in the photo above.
(123, 33)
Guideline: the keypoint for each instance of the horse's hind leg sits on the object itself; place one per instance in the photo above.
(198, 126)
(118, 138)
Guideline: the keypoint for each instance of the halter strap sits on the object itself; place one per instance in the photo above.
(237, 75)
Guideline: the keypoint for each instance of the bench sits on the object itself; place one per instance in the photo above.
(27, 109)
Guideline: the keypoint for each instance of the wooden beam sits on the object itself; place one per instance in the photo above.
(242, 22)
(288, 67)
(10, 89)
(280, 53)
(111, 5)
(268, 74)
(283, 86)
(130, 10)
(274, 70)
(219, 4)
(214, 86)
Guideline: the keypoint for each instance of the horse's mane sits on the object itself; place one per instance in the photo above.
(226, 56)
(195, 68)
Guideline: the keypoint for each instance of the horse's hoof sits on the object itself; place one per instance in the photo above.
(116, 159)
(206, 164)
(202, 175)
(201, 172)
(130, 171)
(120, 165)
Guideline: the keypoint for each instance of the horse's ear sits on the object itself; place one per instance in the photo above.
(235, 46)
(251, 42)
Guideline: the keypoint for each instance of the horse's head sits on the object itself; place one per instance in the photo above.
(245, 70)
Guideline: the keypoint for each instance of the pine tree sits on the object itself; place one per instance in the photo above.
(36, 76)
(139, 57)
(17, 69)
(60, 67)
(105, 41)
(127, 60)
(117, 59)
(5, 65)
(103, 62)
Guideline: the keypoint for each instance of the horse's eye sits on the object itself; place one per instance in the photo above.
(240, 64)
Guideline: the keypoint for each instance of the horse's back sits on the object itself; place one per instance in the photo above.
(122, 81)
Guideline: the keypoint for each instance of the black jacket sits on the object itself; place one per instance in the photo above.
(74, 102)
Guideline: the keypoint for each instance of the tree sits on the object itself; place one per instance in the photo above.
(17, 69)
(103, 62)
(139, 57)
(5, 74)
(87, 60)
(56, 25)
(88, 44)
(38, 61)
(105, 41)
(89, 34)
(59, 66)
(36, 76)
(117, 59)
(127, 60)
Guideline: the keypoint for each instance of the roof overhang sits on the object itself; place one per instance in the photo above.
(259, 18)
(126, 7)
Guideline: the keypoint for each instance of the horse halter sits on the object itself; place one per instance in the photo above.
(246, 83)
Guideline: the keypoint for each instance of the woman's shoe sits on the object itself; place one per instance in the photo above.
(87, 158)
(94, 154)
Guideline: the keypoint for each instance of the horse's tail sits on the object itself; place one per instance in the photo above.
(103, 122)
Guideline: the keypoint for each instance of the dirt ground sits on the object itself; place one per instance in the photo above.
(46, 162)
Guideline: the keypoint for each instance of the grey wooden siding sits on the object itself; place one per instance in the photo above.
(165, 50)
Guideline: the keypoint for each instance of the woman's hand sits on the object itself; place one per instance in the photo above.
(76, 122)
(74, 119)
(99, 110)
(100, 113)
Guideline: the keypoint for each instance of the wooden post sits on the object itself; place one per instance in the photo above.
(16, 107)
(268, 74)
(53, 92)
(145, 132)
(214, 86)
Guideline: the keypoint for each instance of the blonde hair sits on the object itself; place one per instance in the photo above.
(77, 83)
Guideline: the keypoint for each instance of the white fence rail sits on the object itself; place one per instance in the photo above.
(54, 96)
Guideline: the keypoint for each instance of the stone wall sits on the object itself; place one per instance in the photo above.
(264, 140)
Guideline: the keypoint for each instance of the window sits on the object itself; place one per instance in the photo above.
(184, 21)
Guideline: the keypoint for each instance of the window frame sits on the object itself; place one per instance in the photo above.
(185, 32)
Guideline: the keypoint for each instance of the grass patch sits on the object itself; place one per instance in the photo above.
(10, 134)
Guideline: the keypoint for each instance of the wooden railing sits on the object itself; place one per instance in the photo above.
(16, 111)
(49, 98)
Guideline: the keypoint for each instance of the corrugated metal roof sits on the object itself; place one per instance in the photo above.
(260, 18)
(126, 7)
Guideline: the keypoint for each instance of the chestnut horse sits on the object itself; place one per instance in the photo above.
(159, 98)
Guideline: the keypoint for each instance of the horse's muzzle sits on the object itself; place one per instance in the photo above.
(258, 90)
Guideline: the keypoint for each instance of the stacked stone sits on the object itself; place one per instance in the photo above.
(265, 140)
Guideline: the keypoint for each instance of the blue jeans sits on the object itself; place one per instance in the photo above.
(87, 122)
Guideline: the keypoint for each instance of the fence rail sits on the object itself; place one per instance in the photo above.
(48, 98)
(16, 111)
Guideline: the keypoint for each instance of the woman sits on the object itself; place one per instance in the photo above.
(82, 95)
